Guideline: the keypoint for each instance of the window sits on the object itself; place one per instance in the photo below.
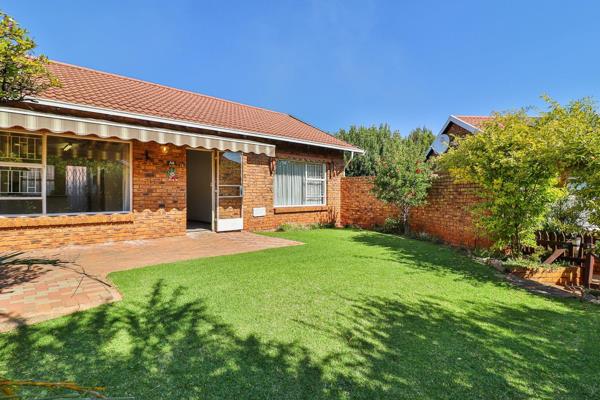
(57, 175)
(20, 173)
(299, 184)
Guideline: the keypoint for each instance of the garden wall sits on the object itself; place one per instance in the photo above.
(360, 207)
(446, 216)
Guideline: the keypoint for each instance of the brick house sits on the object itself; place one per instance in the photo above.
(106, 158)
(457, 126)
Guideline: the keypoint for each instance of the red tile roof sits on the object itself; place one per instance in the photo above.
(473, 120)
(84, 86)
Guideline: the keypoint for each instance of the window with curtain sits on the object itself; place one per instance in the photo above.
(86, 175)
(299, 184)
(20, 173)
(59, 175)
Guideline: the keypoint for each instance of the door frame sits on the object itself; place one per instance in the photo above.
(212, 184)
(229, 224)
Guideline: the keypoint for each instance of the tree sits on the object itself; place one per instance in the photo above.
(375, 141)
(576, 132)
(21, 73)
(522, 165)
(403, 178)
(422, 137)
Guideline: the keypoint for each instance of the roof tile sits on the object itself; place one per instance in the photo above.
(89, 87)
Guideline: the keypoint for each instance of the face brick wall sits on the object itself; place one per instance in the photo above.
(158, 210)
(360, 207)
(446, 216)
(258, 189)
(152, 188)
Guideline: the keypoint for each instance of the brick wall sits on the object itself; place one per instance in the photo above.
(446, 216)
(152, 189)
(258, 189)
(158, 209)
(360, 207)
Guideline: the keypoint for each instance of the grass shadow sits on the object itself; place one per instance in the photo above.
(430, 257)
(163, 347)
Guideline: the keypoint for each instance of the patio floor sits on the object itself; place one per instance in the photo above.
(44, 284)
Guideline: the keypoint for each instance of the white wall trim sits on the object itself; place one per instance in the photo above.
(454, 119)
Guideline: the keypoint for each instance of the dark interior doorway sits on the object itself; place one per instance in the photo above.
(199, 190)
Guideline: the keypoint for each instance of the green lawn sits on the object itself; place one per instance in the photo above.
(348, 315)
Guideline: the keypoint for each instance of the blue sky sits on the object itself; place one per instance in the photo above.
(336, 63)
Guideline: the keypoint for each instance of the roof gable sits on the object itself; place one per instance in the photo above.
(468, 123)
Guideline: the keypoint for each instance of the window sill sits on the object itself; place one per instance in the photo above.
(299, 209)
(42, 221)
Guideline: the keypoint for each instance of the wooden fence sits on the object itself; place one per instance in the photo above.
(576, 250)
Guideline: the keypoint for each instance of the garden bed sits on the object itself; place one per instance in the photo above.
(559, 275)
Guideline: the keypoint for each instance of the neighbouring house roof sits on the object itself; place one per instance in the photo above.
(470, 123)
(475, 121)
(90, 90)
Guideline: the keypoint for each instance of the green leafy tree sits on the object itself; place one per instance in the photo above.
(567, 214)
(521, 166)
(375, 141)
(575, 130)
(21, 73)
(403, 178)
(422, 137)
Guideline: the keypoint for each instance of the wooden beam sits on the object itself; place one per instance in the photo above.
(557, 253)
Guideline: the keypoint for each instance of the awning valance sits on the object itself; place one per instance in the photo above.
(35, 121)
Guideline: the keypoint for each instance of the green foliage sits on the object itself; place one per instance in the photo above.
(21, 73)
(532, 170)
(422, 138)
(514, 170)
(575, 129)
(403, 178)
(392, 225)
(567, 214)
(291, 227)
(375, 141)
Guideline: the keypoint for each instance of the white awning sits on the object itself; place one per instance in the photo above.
(35, 121)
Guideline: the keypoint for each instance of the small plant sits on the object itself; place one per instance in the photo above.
(481, 252)
(392, 225)
(290, 226)
(322, 225)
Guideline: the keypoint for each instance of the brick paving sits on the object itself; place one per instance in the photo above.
(45, 284)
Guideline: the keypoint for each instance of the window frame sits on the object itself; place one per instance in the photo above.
(306, 179)
(42, 167)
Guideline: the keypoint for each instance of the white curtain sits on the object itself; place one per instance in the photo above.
(76, 187)
(299, 183)
(289, 183)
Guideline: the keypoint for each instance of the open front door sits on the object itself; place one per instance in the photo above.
(230, 192)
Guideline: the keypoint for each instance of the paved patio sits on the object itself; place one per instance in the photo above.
(40, 285)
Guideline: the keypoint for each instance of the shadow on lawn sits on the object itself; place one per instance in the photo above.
(400, 349)
(167, 348)
(429, 257)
